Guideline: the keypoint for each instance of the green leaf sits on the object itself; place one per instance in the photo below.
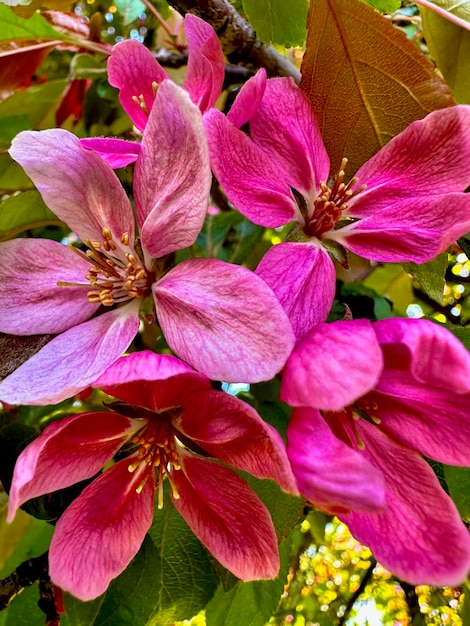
(430, 276)
(14, 27)
(278, 21)
(458, 482)
(462, 333)
(129, 9)
(22, 212)
(215, 230)
(385, 6)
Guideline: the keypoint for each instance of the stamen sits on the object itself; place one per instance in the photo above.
(140, 102)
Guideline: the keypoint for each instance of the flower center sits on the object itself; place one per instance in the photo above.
(345, 428)
(140, 99)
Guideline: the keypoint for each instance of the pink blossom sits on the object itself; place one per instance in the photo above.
(178, 424)
(369, 400)
(221, 318)
(407, 203)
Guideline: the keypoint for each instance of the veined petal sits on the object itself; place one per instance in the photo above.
(248, 99)
(100, 532)
(154, 381)
(216, 504)
(29, 271)
(419, 536)
(223, 320)
(172, 174)
(66, 452)
(333, 366)
(133, 69)
(255, 185)
(206, 69)
(232, 431)
(75, 183)
(330, 473)
(303, 278)
(116, 152)
(73, 360)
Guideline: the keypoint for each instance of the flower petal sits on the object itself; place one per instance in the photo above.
(330, 473)
(206, 68)
(303, 278)
(248, 99)
(116, 152)
(232, 431)
(223, 320)
(75, 183)
(66, 452)
(216, 504)
(100, 532)
(419, 536)
(333, 366)
(172, 174)
(30, 270)
(133, 69)
(73, 360)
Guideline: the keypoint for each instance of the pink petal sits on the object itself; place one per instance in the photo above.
(255, 185)
(154, 381)
(330, 473)
(333, 366)
(73, 360)
(116, 152)
(31, 268)
(248, 99)
(101, 531)
(232, 431)
(172, 174)
(216, 504)
(303, 278)
(223, 320)
(66, 452)
(75, 183)
(132, 68)
(419, 536)
(206, 69)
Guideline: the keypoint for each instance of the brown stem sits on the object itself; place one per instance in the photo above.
(367, 576)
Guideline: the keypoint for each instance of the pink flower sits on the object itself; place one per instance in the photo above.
(407, 203)
(133, 69)
(221, 318)
(369, 400)
(178, 424)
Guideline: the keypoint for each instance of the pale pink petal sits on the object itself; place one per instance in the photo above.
(154, 381)
(419, 537)
(330, 473)
(333, 366)
(206, 69)
(30, 270)
(227, 517)
(232, 431)
(172, 174)
(116, 152)
(73, 360)
(133, 69)
(303, 278)
(248, 99)
(101, 531)
(75, 183)
(223, 320)
(256, 186)
(66, 452)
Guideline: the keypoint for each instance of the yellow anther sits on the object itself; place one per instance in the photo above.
(125, 239)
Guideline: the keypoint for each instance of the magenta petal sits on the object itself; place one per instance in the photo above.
(73, 360)
(248, 99)
(116, 152)
(133, 69)
(419, 536)
(232, 431)
(333, 366)
(172, 174)
(217, 504)
(101, 531)
(206, 68)
(223, 320)
(66, 452)
(31, 269)
(303, 278)
(75, 183)
(329, 473)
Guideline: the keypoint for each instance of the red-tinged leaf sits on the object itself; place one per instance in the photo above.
(18, 62)
(72, 101)
(365, 80)
(68, 23)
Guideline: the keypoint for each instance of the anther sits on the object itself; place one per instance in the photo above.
(125, 239)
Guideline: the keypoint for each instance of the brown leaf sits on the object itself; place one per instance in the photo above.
(18, 62)
(16, 350)
(366, 81)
